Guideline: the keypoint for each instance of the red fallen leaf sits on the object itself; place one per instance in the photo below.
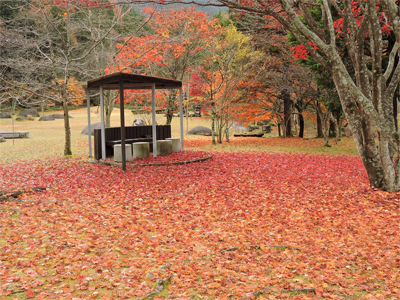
(30, 293)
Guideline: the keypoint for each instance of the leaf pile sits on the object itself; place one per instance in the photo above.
(182, 157)
(241, 225)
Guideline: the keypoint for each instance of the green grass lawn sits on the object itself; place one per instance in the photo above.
(47, 138)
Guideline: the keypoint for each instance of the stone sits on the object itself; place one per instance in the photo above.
(5, 115)
(29, 111)
(118, 152)
(60, 116)
(140, 150)
(93, 126)
(2, 140)
(254, 127)
(14, 134)
(47, 118)
(164, 147)
(176, 144)
(266, 128)
(138, 122)
(238, 126)
(200, 130)
(21, 119)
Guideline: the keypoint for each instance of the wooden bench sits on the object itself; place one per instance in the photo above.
(129, 141)
(133, 134)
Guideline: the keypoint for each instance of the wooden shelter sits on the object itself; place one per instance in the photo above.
(123, 81)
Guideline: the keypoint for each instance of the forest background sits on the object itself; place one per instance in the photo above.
(51, 48)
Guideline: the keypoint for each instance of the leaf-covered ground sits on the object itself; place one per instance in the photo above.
(242, 225)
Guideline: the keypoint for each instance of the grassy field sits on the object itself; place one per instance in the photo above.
(47, 138)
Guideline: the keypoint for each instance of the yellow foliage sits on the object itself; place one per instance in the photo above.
(76, 93)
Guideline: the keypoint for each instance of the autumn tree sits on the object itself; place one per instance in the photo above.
(224, 74)
(171, 50)
(280, 92)
(62, 36)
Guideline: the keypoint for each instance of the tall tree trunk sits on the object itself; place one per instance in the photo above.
(227, 118)
(362, 131)
(109, 102)
(395, 108)
(319, 126)
(42, 107)
(338, 126)
(301, 125)
(171, 99)
(324, 125)
(13, 106)
(67, 145)
(213, 117)
(287, 112)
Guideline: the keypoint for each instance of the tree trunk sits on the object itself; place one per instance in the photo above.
(109, 102)
(324, 116)
(42, 107)
(213, 115)
(67, 146)
(325, 130)
(13, 105)
(362, 131)
(319, 124)
(171, 99)
(395, 99)
(301, 126)
(279, 130)
(227, 135)
(287, 112)
(332, 127)
(338, 124)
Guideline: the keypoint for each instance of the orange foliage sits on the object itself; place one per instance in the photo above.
(177, 38)
(76, 93)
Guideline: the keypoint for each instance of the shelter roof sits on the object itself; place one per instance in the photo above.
(132, 81)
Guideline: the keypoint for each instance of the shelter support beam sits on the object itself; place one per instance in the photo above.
(122, 117)
(181, 114)
(103, 131)
(153, 115)
(89, 125)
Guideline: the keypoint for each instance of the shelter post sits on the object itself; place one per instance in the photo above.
(181, 114)
(122, 115)
(103, 131)
(153, 114)
(89, 125)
